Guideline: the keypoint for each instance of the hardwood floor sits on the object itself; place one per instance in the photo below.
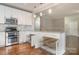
(22, 49)
(26, 49)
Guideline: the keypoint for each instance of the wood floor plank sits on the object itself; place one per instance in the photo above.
(22, 49)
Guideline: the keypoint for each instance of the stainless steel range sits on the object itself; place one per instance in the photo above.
(11, 36)
(11, 32)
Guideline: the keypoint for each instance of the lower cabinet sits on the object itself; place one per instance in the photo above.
(2, 39)
(23, 37)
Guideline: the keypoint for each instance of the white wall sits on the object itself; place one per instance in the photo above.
(51, 24)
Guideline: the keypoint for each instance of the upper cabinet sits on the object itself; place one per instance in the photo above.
(2, 13)
(8, 12)
(23, 17)
(14, 13)
(29, 18)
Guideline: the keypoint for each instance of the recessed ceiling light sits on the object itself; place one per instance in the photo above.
(49, 11)
(41, 14)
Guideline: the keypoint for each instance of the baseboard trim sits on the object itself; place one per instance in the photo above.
(71, 50)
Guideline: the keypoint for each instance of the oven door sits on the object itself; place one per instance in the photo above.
(11, 38)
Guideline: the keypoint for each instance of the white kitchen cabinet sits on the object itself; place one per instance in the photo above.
(23, 37)
(2, 39)
(8, 12)
(5, 12)
(24, 18)
(20, 18)
(2, 19)
(14, 13)
(29, 18)
(24, 15)
(2, 8)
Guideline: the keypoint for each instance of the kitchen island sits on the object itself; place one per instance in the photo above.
(38, 37)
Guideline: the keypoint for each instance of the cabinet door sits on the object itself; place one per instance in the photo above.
(2, 39)
(29, 18)
(19, 15)
(14, 13)
(8, 12)
(2, 19)
(24, 18)
(23, 37)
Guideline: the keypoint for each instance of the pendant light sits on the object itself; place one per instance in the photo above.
(41, 14)
(49, 11)
(34, 15)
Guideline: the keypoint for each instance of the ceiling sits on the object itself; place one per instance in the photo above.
(25, 6)
(31, 7)
(59, 10)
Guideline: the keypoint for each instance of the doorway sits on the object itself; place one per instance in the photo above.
(72, 35)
